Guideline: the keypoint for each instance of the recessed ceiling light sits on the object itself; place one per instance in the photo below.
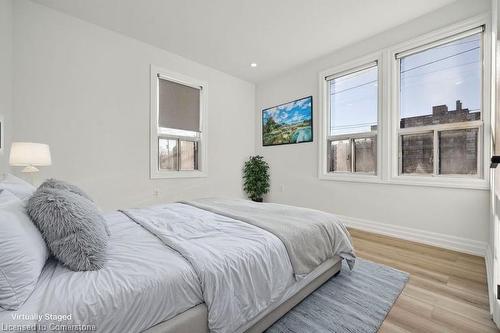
(253, 64)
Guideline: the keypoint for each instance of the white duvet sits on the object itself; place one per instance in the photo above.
(243, 269)
(143, 283)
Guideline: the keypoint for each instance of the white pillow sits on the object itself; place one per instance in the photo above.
(23, 252)
(16, 186)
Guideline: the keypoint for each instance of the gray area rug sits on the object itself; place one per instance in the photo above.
(353, 301)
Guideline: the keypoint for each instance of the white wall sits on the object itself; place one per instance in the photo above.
(450, 212)
(85, 91)
(6, 104)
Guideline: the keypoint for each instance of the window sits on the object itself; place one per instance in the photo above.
(417, 113)
(177, 154)
(178, 135)
(440, 120)
(353, 120)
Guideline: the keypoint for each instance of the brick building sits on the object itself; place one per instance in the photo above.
(457, 148)
(441, 115)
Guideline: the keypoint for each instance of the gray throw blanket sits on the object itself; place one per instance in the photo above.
(310, 236)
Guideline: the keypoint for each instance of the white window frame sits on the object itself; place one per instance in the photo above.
(479, 181)
(324, 114)
(156, 132)
(389, 113)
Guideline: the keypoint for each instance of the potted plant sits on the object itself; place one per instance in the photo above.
(256, 178)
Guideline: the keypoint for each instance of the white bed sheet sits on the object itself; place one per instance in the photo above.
(143, 283)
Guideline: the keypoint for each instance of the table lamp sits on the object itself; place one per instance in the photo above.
(29, 155)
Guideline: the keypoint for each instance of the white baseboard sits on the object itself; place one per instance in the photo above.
(421, 236)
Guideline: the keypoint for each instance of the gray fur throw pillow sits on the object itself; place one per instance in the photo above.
(62, 185)
(72, 227)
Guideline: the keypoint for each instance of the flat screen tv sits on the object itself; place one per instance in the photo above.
(288, 123)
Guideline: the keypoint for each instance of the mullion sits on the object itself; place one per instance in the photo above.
(353, 156)
(436, 163)
(178, 154)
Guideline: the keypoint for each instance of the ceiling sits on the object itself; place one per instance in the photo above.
(228, 35)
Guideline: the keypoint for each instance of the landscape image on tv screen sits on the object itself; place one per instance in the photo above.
(288, 123)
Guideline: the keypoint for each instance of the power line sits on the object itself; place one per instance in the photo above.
(410, 69)
(353, 125)
(361, 85)
(442, 69)
(437, 60)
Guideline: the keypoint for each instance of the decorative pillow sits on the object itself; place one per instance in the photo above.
(72, 226)
(62, 185)
(23, 252)
(16, 186)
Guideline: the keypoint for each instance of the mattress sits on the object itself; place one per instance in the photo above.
(144, 283)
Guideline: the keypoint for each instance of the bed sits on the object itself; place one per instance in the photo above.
(195, 319)
(200, 266)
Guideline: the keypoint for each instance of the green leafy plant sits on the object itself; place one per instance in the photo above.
(256, 178)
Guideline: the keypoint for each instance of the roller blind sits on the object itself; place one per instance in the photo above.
(352, 70)
(450, 39)
(178, 106)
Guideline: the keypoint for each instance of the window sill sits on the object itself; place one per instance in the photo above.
(447, 182)
(462, 183)
(178, 174)
(349, 177)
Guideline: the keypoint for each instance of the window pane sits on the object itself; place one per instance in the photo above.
(354, 102)
(176, 132)
(417, 153)
(442, 84)
(340, 155)
(365, 150)
(168, 154)
(189, 155)
(458, 152)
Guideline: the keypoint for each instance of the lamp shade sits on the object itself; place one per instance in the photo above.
(29, 154)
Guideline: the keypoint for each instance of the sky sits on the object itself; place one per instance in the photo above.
(440, 75)
(353, 102)
(290, 113)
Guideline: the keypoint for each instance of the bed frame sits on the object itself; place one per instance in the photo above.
(195, 320)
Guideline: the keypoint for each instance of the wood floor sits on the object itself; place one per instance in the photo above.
(447, 290)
